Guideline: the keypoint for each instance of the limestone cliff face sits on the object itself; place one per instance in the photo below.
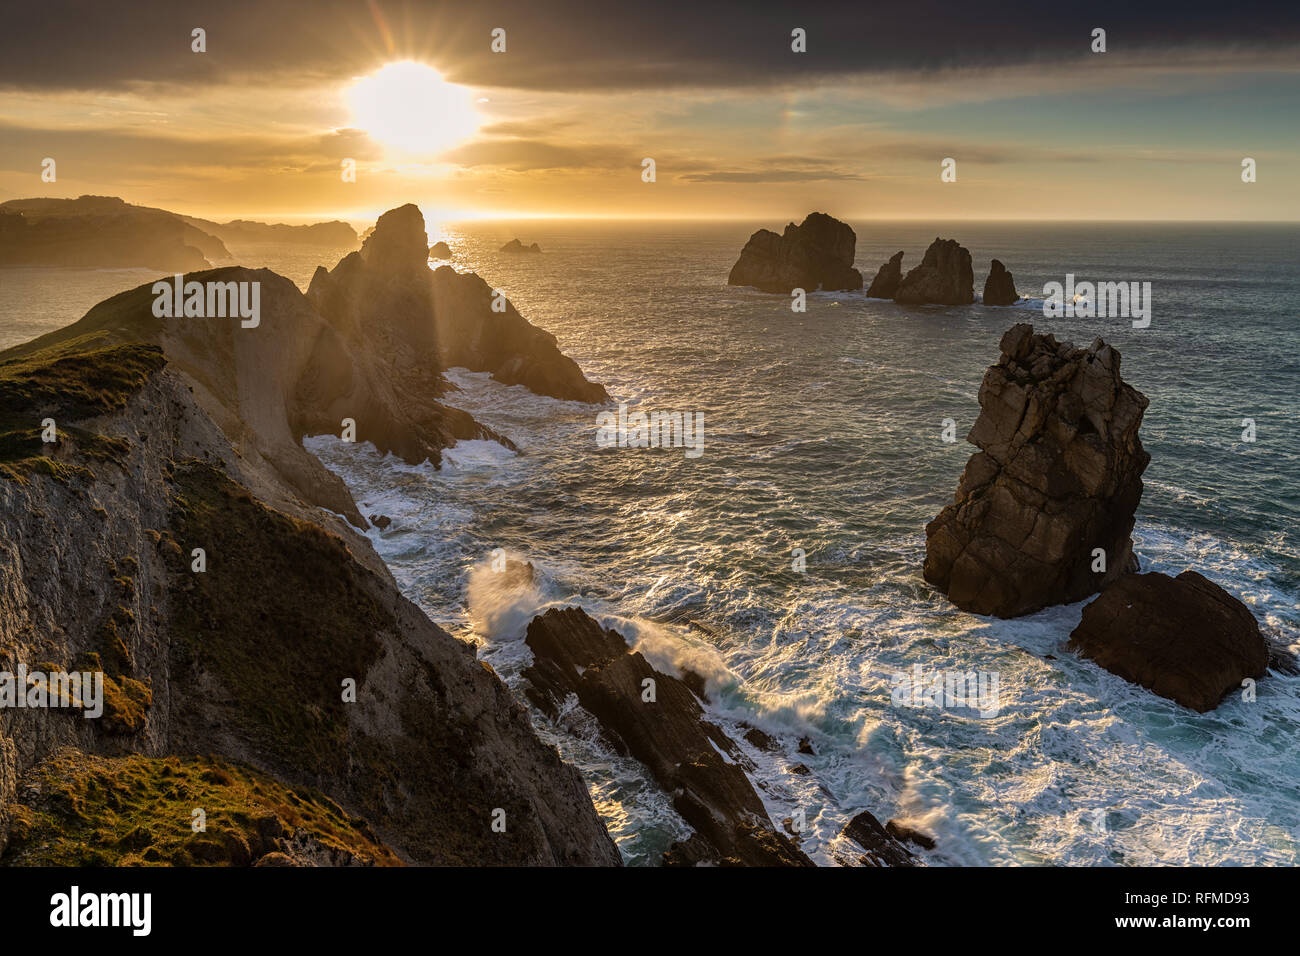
(1058, 476)
(177, 434)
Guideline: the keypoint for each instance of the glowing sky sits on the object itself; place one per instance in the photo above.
(738, 124)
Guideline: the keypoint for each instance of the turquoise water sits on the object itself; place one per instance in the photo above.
(823, 433)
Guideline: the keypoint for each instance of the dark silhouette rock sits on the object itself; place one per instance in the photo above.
(327, 235)
(908, 834)
(95, 241)
(381, 521)
(515, 246)
(440, 250)
(1058, 475)
(806, 747)
(472, 334)
(105, 231)
(1000, 286)
(817, 253)
(1183, 638)
(416, 323)
(881, 848)
(885, 284)
(572, 654)
(944, 277)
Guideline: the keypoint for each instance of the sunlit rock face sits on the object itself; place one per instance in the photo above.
(1044, 511)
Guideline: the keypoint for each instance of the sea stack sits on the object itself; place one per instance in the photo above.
(1044, 510)
(944, 277)
(1183, 638)
(1000, 286)
(816, 254)
(885, 284)
(440, 250)
(514, 246)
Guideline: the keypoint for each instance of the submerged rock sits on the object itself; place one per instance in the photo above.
(1058, 476)
(817, 253)
(885, 284)
(944, 277)
(1000, 286)
(1183, 638)
(691, 758)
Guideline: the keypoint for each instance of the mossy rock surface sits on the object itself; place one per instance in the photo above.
(281, 617)
(68, 381)
(81, 810)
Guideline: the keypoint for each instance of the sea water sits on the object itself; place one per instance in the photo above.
(824, 438)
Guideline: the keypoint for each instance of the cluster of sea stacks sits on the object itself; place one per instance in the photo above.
(819, 252)
(1044, 510)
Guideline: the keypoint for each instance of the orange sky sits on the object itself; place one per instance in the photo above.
(1149, 134)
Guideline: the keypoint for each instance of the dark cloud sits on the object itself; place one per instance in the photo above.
(574, 44)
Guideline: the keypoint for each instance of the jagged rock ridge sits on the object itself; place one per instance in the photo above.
(693, 760)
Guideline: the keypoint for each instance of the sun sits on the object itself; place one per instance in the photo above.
(409, 107)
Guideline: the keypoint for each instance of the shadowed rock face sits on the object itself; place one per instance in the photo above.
(470, 334)
(1184, 638)
(944, 277)
(885, 284)
(817, 253)
(177, 434)
(1058, 474)
(882, 848)
(1000, 286)
(670, 735)
(414, 324)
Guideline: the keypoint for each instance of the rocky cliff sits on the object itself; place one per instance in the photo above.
(287, 670)
(416, 323)
(1044, 509)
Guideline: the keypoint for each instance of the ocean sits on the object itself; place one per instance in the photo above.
(823, 432)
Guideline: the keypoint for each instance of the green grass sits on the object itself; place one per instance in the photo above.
(69, 382)
(84, 810)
